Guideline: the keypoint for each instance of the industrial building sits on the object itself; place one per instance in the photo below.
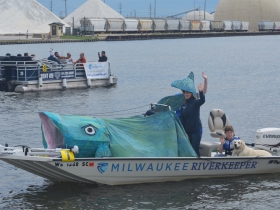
(18, 16)
(252, 11)
(91, 9)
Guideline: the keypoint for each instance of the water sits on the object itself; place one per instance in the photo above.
(243, 77)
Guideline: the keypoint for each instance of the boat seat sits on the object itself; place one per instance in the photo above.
(208, 148)
(217, 121)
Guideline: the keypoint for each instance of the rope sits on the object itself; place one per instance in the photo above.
(113, 112)
(117, 114)
(30, 75)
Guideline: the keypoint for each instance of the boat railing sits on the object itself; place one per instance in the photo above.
(24, 71)
(17, 70)
(23, 150)
(159, 107)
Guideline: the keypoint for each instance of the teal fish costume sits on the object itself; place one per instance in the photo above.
(186, 84)
(176, 101)
(159, 135)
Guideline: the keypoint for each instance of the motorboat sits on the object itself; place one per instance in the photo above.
(62, 163)
(26, 74)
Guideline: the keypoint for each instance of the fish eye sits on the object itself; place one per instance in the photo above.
(90, 130)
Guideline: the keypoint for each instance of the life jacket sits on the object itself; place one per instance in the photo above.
(228, 145)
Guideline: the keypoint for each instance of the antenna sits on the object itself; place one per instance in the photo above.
(135, 13)
(65, 8)
(155, 8)
(204, 8)
(120, 7)
(194, 11)
(150, 10)
(51, 4)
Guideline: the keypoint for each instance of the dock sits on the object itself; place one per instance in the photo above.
(11, 40)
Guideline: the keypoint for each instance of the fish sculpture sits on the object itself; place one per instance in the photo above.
(159, 135)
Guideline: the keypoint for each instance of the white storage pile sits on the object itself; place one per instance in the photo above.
(92, 9)
(198, 15)
(18, 16)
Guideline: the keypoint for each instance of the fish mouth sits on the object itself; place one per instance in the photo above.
(51, 133)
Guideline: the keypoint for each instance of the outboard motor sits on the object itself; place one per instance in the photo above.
(268, 139)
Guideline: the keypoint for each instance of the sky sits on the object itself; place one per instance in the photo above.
(141, 7)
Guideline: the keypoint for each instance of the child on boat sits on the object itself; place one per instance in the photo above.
(227, 143)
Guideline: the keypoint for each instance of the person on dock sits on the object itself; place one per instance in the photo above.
(82, 59)
(27, 33)
(227, 143)
(103, 57)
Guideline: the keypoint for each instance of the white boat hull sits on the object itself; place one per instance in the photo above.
(119, 171)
